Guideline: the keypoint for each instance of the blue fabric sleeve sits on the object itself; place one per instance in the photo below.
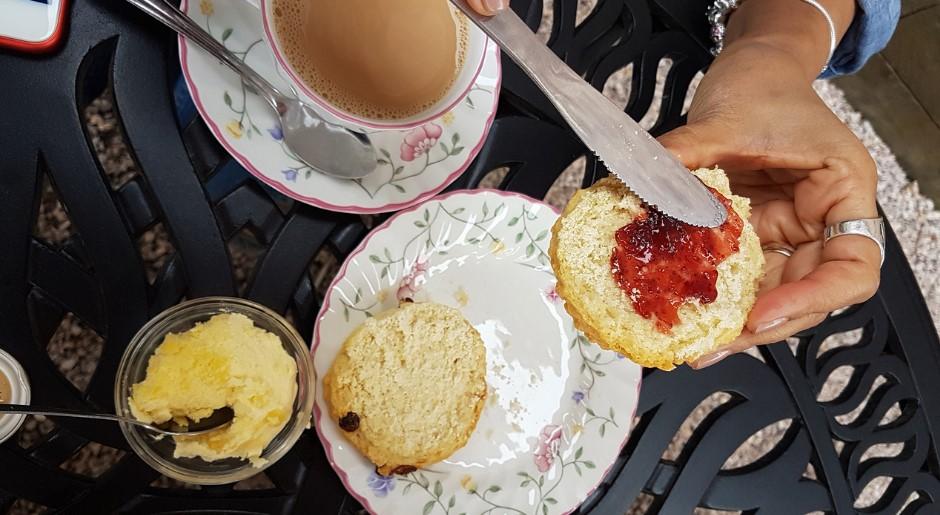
(874, 23)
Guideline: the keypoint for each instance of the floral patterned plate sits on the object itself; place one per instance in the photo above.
(413, 165)
(559, 408)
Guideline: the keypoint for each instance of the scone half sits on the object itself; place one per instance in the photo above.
(583, 240)
(408, 386)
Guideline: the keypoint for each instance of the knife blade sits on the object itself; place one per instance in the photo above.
(631, 153)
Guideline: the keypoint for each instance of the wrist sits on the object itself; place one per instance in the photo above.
(793, 27)
(765, 57)
(770, 54)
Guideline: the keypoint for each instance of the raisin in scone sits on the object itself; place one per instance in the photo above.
(656, 290)
(408, 386)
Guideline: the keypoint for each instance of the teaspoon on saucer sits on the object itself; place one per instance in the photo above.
(219, 419)
(325, 147)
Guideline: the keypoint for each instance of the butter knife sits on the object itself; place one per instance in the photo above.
(631, 153)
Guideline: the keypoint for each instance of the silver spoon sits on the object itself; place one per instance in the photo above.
(220, 419)
(325, 147)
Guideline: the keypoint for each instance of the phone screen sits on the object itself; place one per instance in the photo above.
(29, 20)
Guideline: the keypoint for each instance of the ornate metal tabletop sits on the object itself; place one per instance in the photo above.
(824, 449)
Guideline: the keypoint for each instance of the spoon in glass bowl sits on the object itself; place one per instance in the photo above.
(327, 148)
(220, 419)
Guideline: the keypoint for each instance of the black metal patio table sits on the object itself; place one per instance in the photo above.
(822, 462)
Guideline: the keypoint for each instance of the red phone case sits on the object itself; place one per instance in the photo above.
(39, 46)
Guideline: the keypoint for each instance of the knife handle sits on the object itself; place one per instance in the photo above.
(587, 111)
(626, 149)
(561, 85)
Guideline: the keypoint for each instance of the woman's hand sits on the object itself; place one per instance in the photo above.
(488, 7)
(756, 115)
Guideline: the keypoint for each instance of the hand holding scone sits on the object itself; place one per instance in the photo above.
(802, 169)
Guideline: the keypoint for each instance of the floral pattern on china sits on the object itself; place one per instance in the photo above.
(559, 408)
(413, 165)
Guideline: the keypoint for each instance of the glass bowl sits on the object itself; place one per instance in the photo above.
(133, 367)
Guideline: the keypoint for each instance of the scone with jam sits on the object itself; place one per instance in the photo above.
(648, 286)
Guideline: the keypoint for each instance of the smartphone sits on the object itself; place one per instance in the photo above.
(31, 25)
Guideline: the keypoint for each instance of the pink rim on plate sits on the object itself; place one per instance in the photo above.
(318, 418)
(317, 202)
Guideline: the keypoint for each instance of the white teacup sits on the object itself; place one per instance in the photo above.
(466, 77)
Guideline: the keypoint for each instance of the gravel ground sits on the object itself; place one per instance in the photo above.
(75, 349)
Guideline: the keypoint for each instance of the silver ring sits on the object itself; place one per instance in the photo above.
(783, 250)
(871, 228)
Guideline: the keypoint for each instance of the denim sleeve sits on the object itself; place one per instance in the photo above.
(870, 31)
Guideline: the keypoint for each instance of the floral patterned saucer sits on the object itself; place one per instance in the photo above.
(559, 408)
(413, 165)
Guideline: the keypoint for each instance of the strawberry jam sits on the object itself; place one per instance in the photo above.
(661, 263)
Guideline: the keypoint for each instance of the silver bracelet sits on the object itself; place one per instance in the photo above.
(717, 16)
(832, 30)
(719, 11)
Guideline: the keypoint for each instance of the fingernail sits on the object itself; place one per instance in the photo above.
(766, 326)
(710, 359)
(496, 5)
